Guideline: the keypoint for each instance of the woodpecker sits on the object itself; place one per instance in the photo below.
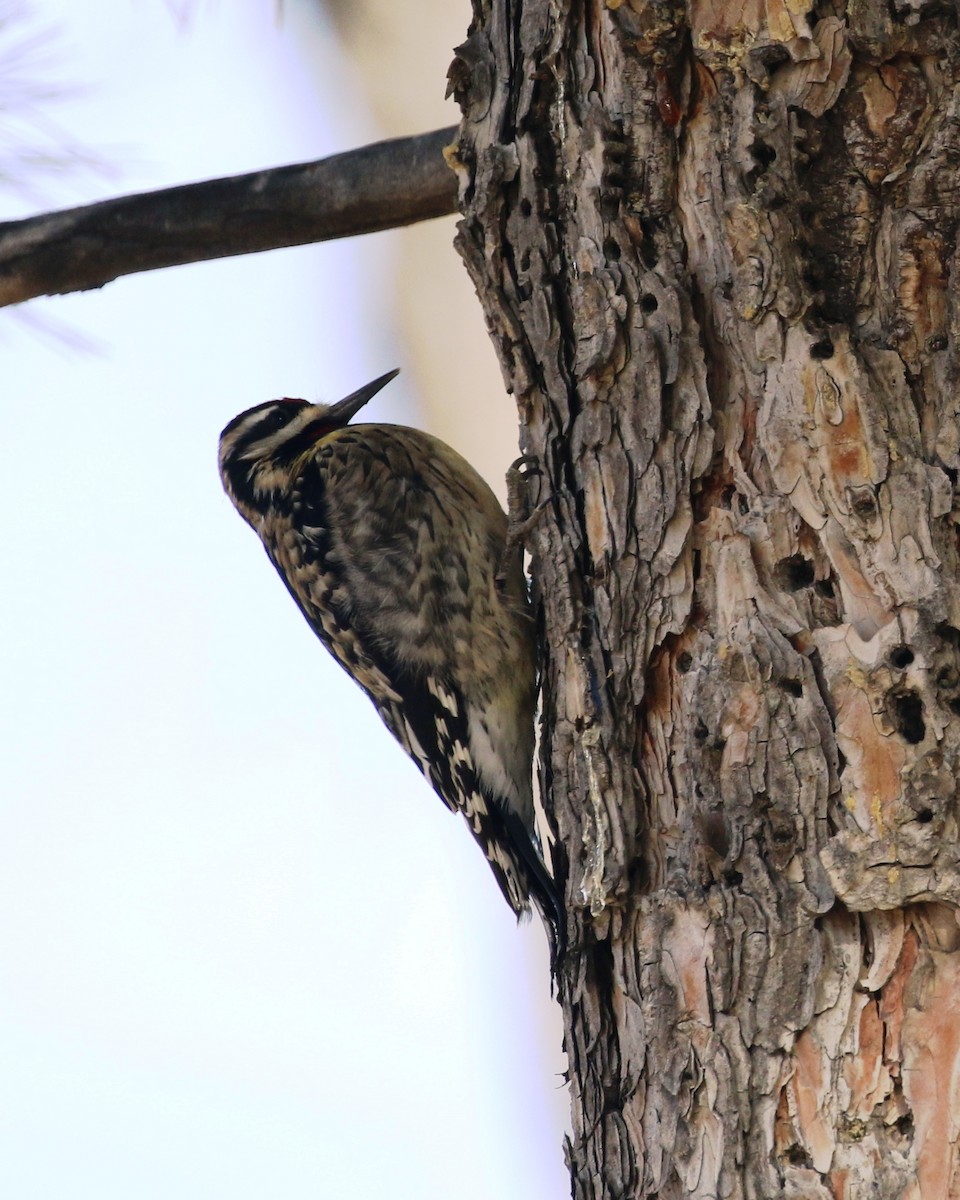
(393, 548)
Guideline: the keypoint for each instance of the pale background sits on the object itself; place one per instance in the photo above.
(244, 950)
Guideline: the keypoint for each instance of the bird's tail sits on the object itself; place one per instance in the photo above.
(539, 886)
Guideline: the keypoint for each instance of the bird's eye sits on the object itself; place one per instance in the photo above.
(277, 419)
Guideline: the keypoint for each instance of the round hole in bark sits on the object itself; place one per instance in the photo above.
(904, 1125)
(900, 657)
(822, 349)
(684, 662)
(794, 573)
(906, 712)
(764, 153)
(863, 503)
(793, 687)
(798, 1157)
(649, 303)
(925, 816)
(611, 250)
(948, 632)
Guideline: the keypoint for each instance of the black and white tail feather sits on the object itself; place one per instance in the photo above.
(392, 547)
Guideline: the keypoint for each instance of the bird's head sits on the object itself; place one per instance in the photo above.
(260, 448)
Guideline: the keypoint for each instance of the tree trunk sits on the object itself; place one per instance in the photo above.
(714, 244)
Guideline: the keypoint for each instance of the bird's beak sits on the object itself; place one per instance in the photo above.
(343, 410)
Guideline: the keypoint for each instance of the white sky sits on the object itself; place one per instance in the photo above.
(244, 950)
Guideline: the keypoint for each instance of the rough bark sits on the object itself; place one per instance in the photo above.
(376, 187)
(715, 245)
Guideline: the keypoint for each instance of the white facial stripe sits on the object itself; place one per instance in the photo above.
(267, 446)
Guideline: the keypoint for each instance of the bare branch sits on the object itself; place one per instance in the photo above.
(380, 186)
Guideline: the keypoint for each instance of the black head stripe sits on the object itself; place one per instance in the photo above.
(259, 420)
